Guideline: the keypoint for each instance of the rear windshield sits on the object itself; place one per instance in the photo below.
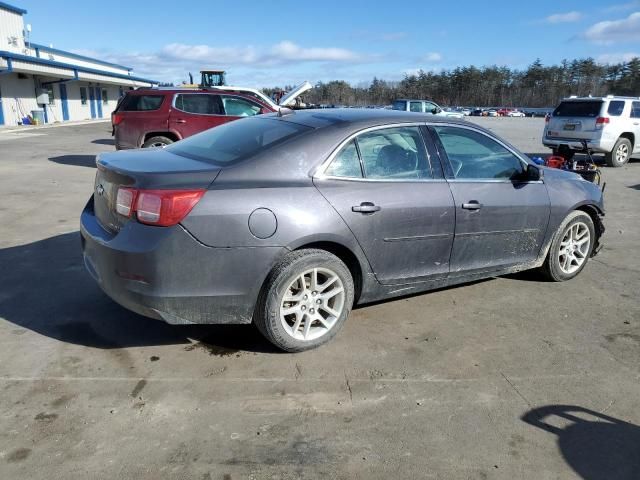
(399, 105)
(141, 103)
(237, 140)
(578, 109)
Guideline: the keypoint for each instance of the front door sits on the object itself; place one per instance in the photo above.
(92, 102)
(400, 211)
(501, 219)
(192, 113)
(64, 101)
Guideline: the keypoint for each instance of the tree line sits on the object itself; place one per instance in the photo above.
(536, 86)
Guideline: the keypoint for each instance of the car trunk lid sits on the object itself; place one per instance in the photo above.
(143, 169)
(290, 97)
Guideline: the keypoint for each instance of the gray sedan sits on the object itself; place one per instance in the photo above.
(288, 220)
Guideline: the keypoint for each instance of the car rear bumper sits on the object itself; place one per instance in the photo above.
(165, 273)
(596, 145)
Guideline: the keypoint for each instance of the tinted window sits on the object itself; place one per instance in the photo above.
(400, 105)
(239, 107)
(473, 155)
(578, 109)
(394, 153)
(139, 103)
(635, 110)
(203, 104)
(416, 106)
(237, 140)
(346, 163)
(615, 108)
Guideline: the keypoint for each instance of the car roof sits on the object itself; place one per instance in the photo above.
(358, 118)
(598, 99)
(174, 90)
(413, 100)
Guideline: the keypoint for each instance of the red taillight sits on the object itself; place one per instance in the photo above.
(116, 118)
(602, 121)
(157, 207)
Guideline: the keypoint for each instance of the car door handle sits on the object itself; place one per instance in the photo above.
(180, 120)
(366, 207)
(472, 205)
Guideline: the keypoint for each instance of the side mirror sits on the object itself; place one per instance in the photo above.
(534, 173)
(435, 110)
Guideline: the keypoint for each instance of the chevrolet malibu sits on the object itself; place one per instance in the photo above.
(288, 220)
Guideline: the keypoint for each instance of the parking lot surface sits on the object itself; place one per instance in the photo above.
(501, 379)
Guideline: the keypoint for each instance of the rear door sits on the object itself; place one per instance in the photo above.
(574, 120)
(193, 113)
(398, 207)
(139, 113)
(501, 220)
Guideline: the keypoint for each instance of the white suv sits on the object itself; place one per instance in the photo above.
(610, 125)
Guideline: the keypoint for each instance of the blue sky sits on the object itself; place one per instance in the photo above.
(263, 43)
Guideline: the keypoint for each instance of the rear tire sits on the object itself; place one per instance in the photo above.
(620, 153)
(305, 300)
(570, 248)
(158, 141)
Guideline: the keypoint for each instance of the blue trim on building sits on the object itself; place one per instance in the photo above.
(11, 8)
(1, 112)
(65, 101)
(53, 63)
(37, 52)
(44, 48)
(9, 68)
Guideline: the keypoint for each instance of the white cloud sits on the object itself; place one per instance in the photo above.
(615, 31)
(568, 17)
(431, 57)
(616, 57)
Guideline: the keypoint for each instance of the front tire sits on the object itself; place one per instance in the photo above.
(570, 248)
(620, 153)
(305, 300)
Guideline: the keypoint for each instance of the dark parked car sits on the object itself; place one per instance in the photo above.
(287, 221)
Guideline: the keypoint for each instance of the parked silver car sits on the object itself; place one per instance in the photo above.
(288, 220)
(609, 125)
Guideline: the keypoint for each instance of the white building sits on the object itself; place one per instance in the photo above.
(65, 85)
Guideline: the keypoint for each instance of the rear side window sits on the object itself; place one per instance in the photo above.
(416, 106)
(346, 164)
(635, 110)
(203, 104)
(141, 103)
(615, 108)
(578, 109)
(235, 141)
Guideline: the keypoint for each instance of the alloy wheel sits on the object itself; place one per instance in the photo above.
(312, 304)
(622, 152)
(574, 247)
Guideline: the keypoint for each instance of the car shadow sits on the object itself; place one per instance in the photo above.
(596, 446)
(48, 291)
(75, 160)
(635, 187)
(104, 141)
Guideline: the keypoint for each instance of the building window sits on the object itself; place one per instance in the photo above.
(105, 99)
(50, 93)
(83, 95)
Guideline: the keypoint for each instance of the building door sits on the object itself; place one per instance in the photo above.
(1, 112)
(99, 101)
(65, 102)
(92, 102)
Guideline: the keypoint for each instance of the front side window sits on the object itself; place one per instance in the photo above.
(416, 106)
(430, 108)
(615, 108)
(346, 163)
(203, 104)
(474, 155)
(394, 153)
(635, 110)
(239, 107)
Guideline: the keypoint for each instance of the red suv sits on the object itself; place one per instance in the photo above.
(154, 117)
